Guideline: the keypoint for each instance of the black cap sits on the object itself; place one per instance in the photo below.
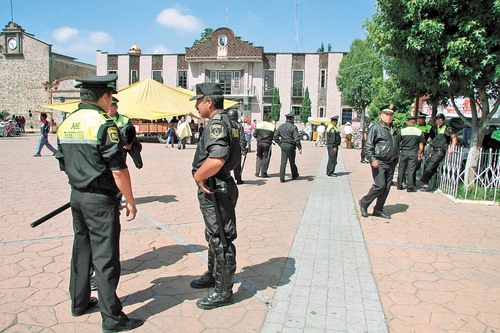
(439, 116)
(115, 100)
(99, 81)
(336, 118)
(291, 114)
(206, 88)
(388, 108)
(411, 117)
(422, 115)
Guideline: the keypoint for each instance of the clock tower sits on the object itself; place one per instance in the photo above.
(12, 39)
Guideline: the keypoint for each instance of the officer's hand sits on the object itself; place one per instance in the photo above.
(300, 151)
(128, 146)
(245, 154)
(131, 211)
(335, 149)
(202, 184)
(375, 164)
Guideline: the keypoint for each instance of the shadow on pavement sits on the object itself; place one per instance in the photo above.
(159, 198)
(155, 259)
(397, 208)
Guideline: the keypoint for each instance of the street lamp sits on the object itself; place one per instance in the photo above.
(50, 88)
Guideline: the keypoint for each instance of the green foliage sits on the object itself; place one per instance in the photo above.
(3, 114)
(204, 35)
(276, 105)
(305, 108)
(356, 72)
(329, 47)
(487, 194)
(134, 77)
(321, 49)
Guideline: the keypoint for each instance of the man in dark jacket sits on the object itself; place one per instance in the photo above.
(234, 115)
(287, 137)
(333, 140)
(382, 151)
(264, 133)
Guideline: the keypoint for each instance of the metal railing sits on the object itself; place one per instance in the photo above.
(484, 177)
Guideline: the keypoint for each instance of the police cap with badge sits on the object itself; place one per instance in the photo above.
(115, 100)
(206, 89)
(334, 118)
(388, 108)
(411, 117)
(290, 115)
(98, 82)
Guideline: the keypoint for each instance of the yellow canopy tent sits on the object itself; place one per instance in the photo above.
(148, 99)
(317, 120)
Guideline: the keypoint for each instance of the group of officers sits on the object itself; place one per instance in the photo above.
(385, 146)
(93, 142)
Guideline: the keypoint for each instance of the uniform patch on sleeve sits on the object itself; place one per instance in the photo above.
(216, 131)
(113, 135)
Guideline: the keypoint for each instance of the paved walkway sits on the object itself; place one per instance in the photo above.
(306, 263)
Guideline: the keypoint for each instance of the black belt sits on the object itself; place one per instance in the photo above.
(91, 189)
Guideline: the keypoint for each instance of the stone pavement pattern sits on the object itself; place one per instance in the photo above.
(435, 264)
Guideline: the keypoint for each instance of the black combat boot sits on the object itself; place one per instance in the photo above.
(224, 281)
(207, 280)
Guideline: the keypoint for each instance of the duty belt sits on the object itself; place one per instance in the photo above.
(91, 189)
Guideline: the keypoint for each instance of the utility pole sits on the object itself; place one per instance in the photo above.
(296, 26)
(227, 6)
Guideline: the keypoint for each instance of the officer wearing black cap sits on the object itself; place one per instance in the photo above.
(424, 126)
(131, 144)
(382, 150)
(333, 141)
(287, 137)
(264, 133)
(443, 136)
(218, 152)
(411, 151)
(89, 151)
(234, 115)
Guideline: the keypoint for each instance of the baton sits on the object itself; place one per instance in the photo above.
(243, 164)
(50, 215)
(218, 214)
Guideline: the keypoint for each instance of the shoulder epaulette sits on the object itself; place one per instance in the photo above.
(216, 117)
(105, 116)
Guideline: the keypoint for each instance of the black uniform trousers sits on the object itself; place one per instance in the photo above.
(227, 203)
(332, 160)
(263, 157)
(408, 161)
(237, 172)
(288, 154)
(430, 173)
(382, 181)
(96, 224)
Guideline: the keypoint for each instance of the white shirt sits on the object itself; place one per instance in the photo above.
(347, 129)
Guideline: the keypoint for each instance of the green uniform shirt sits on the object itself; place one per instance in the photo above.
(89, 148)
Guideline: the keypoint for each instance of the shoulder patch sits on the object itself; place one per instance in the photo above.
(216, 131)
(113, 135)
(105, 116)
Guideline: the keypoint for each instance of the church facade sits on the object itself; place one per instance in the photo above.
(245, 72)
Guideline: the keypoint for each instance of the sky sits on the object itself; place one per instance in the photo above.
(79, 28)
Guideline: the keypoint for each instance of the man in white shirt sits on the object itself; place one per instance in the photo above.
(348, 135)
(321, 135)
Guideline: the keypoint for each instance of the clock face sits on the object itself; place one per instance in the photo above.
(12, 42)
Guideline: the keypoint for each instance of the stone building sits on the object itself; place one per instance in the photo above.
(246, 73)
(26, 62)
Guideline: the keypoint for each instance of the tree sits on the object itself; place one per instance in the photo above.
(204, 35)
(134, 77)
(329, 47)
(321, 49)
(276, 106)
(305, 108)
(356, 72)
(448, 49)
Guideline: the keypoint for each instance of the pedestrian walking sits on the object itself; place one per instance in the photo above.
(382, 151)
(264, 133)
(44, 136)
(287, 137)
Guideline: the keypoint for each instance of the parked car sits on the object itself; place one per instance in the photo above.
(304, 135)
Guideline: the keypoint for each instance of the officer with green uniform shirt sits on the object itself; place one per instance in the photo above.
(411, 149)
(218, 152)
(333, 141)
(89, 152)
(424, 127)
(444, 135)
(131, 144)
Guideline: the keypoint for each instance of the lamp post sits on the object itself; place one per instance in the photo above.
(50, 88)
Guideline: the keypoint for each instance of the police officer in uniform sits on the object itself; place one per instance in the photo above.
(264, 133)
(333, 141)
(287, 137)
(443, 136)
(423, 126)
(127, 132)
(411, 151)
(234, 115)
(218, 152)
(382, 150)
(89, 151)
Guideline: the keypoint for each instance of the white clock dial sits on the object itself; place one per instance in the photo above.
(12, 43)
